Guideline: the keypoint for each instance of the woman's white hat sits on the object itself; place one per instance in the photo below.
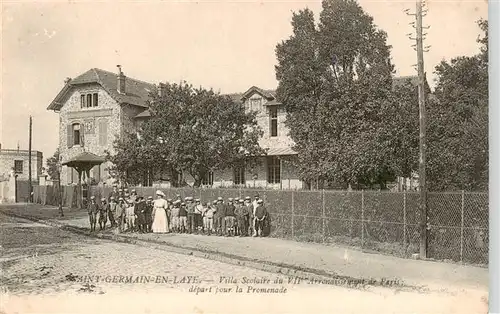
(160, 193)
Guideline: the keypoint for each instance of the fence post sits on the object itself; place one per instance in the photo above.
(293, 205)
(462, 229)
(362, 218)
(323, 216)
(404, 220)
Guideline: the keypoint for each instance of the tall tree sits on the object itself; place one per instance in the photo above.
(401, 123)
(53, 166)
(130, 159)
(458, 122)
(335, 79)
(193, 130)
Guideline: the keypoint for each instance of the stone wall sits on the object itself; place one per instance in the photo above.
(225, 178)
(8, 156)
(106, 113)
(264, 121)
(8, 191)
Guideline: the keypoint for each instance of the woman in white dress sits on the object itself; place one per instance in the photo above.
(159, 213)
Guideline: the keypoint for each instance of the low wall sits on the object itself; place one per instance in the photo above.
(8, 191)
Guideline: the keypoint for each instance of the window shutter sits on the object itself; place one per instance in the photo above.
(96, 173)
(70, 135)
(82, 137)
(103, 132)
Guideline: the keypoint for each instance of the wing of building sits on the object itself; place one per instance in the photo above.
(97, 106)
(15, 161)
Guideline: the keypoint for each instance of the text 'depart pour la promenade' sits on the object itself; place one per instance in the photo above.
(231, 284)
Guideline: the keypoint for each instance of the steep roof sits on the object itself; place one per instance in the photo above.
(269, 94)
(137, 92)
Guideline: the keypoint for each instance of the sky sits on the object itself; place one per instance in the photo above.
(226, 45)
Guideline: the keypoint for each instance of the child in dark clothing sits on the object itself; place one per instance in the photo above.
(260, 216)
(103, 214)
(229, 218)
(241, 213)
(183, 218)
(140, 213)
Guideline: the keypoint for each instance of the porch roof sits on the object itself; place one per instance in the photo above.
(84, 159)
(280, 151)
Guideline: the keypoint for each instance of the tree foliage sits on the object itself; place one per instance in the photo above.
(350, 124)
(458, 122)
(335, 80)
(192, 130)
(128, 159)
(53, 166)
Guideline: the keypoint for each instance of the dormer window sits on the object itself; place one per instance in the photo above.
(89, 100)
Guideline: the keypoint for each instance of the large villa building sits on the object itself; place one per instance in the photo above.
(98, 106)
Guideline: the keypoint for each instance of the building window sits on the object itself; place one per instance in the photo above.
(208, 179)
(273, 125)
(18, 166)
(239, 175)
(76, 134)
(273, 170)
(178, 180)
(147, 178)
(89, 100)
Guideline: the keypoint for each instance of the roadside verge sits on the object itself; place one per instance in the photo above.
(305, 260)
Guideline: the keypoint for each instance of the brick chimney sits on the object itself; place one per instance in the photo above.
(121, 81)
(161, 89)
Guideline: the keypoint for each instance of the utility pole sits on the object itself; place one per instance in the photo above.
(60, 192)
(422, 122)
(422, 147)
(29, 161)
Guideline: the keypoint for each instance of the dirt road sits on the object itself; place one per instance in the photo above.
(47, 270)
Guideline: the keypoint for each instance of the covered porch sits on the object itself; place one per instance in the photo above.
(82, 164)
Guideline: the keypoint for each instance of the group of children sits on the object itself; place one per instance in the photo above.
(132, 213)
(233, 217)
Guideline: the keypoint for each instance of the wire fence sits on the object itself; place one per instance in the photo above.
(387, 222)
